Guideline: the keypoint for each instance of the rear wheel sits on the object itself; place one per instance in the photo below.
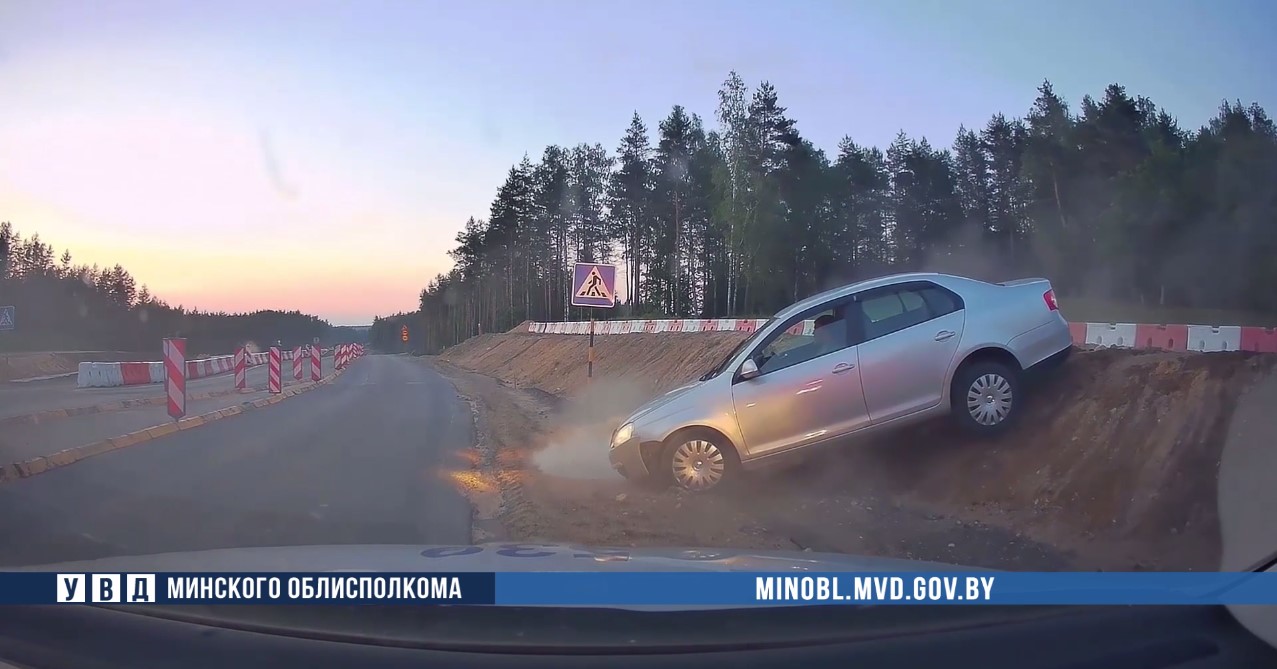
(699, 461)
(986, 397)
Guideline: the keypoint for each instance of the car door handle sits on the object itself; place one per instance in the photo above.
(945, 335)
(843, 367)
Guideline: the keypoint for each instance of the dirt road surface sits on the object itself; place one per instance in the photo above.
(1114, 465)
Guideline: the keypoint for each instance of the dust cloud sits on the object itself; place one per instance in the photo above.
(577, 442)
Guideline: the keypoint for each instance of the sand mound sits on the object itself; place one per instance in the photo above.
(1118, 443)
(1123, 445)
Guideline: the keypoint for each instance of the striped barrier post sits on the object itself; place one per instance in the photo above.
(316, 362)
(241, 368)
(175, 376)
(273, 381)
(341, 356)
(297, 363)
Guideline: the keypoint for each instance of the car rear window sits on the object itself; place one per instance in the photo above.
(939, 301)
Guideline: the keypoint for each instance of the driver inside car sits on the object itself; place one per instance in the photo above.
(825, 340)
(826, 335)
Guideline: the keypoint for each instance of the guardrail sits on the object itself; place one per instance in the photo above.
(111, 374)
(1201, 338)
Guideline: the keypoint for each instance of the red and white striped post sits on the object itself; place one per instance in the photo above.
(339, 356)
(175, 376)
(241, 368)
(297, 363)
(316, 362)
(273, 382)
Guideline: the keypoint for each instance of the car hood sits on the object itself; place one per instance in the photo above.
(660, 402)
(492, 557)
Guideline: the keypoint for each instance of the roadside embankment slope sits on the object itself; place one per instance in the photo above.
(1117, 454)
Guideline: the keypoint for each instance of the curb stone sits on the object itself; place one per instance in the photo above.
(39, 465)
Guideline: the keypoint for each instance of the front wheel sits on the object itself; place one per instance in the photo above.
(699, 461)
(986, 397)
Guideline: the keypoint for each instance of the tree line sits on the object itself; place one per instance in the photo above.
(65, 306)
(1112, 199)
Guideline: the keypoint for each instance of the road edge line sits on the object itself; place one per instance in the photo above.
(44, 463)
(483, 527)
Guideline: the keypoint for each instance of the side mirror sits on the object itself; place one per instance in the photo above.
(748, 370)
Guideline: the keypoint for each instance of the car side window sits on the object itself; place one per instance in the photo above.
(797, 342)
(941, 302)
(886, 310)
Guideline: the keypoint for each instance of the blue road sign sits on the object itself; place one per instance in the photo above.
(594, 285)
(6, 318)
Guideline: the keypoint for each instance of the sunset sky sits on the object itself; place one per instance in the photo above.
(323, 155)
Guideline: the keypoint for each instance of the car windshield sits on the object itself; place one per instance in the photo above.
(744, 344)
(445, 275)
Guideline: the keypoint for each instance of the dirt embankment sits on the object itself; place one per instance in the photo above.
(30, 365)
(556, 363)
(1114, 464)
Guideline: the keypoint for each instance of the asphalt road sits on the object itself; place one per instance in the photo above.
(17, 399)
(364, 460)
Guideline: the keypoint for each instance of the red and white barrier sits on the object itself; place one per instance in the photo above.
(344, 354)
(1121, 335)
(316, 363)
(175, 376)
(241, 368)
(1259, 339)
(111, 374)
(273, 383)
(297, 363)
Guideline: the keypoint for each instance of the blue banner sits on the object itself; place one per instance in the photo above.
(641, 588)
(1018, 588)
(248, 588)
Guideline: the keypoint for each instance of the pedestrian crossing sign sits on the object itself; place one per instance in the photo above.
(6, 318)
(594, 285)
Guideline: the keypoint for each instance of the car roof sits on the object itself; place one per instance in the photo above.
(946, 280)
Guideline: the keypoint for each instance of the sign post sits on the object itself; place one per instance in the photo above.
(594, 287)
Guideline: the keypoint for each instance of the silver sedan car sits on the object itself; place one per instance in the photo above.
(858, 360)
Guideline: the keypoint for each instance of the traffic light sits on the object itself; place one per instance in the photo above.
(403, 333)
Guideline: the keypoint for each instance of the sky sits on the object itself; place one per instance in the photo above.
(322, 156)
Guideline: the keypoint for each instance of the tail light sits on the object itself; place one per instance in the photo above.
(1049, 298)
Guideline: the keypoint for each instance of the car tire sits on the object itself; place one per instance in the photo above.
(986, 397)
(699, 461)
